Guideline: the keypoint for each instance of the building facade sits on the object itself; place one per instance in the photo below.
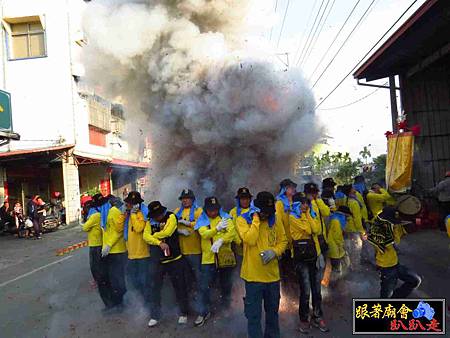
(419, 54)
(72, 140)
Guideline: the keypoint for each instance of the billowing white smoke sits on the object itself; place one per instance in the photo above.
(218, 115)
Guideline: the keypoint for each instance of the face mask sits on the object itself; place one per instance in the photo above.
(135, 208)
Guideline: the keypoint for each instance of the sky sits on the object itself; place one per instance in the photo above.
(365, 122)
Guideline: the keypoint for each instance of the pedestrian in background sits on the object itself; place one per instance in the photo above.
(138, 251)
(264, 242)
(442, 191)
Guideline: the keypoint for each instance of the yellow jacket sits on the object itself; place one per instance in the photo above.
(137, 247)
(258, 237)
(237, 238)
(322, 211)
(94, 230)
(376, 202)
(156, 238)
(335, 240)
(284, 217)
(113, 235)
(209, 235)
(305, 227)
(190, 245)
(389, 258)
(354, 223)
(364, 213)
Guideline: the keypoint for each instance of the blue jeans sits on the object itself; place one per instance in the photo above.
(389, 277)
(255, 295)
(138, 274)
(208, 275)
(192, 276)
(309, 280)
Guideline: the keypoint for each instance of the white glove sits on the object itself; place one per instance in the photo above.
(332, 203)
(105, 251)
(184, 232)
(216, 245)
(184, 222)
(223, 224)
(267, 256)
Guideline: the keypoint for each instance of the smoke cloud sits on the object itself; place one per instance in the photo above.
(219, 113)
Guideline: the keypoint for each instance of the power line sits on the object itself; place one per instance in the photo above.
(307, 24)
(365, 55)
(356, 101)
(320, 31)
(284, 20)
(309, 34)
(335, 38)
(315, 31)
(271, 30)
(345, 41)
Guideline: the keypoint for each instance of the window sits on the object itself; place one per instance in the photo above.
(26, 38)
(97, 137)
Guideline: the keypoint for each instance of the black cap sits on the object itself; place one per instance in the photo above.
(345, 210)
(390, 214)
(347, 188)
(98, 200)
(212, 203)
(359, 179)
(187, 193)
(265, 202)
(328, 183)
(156, 209)
(300, 197)
(287, 182)
(134, 198)
(243, 192)
(311, 188)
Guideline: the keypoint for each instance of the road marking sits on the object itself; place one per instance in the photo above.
(34, 270)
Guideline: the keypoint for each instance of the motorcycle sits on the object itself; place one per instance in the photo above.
(50, 220)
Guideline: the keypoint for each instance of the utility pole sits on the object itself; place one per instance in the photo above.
(394, 111)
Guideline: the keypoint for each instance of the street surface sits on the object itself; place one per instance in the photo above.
(44, 295)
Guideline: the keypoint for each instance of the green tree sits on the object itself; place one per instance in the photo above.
(365, 154)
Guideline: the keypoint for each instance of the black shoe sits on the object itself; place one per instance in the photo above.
(320, 324)
(201, 320)
(304, 327)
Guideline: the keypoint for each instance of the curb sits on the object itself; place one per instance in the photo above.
(70, 248)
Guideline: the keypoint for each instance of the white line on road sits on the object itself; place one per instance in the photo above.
(34, 270)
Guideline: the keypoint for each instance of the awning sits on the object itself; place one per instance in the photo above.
(422, 38)
(86, 158)
(34, 151)
(124, 163)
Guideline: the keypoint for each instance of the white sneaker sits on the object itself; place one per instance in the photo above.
(152, 322)
(201, 320)
(182, 320)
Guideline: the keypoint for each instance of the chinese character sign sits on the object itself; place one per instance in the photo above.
(398, 316)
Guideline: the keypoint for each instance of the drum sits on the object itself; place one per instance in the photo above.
(408, 205)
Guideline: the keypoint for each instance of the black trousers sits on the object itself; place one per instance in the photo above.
(175, 270)
(111, 273)
(100, 274)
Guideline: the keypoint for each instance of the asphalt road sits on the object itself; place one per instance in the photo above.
(43, 295)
